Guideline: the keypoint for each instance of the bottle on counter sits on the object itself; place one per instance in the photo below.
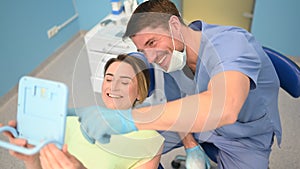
(117, 6)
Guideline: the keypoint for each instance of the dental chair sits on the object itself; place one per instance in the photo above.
(289, 76)
(288, 72)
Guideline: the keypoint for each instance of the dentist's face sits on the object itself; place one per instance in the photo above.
(156, 45)
(120, 86)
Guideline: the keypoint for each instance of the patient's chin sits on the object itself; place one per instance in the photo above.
(110, 105)
(119, 104)
(115, 106)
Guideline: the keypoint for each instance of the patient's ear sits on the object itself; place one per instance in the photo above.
(138, 97)
(137, 100)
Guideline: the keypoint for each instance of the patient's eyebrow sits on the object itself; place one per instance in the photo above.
(126, 77)
(122, 76)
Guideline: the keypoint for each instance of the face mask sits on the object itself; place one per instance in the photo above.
(178, 59)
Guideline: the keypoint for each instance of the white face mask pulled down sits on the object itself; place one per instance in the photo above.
(178, 59)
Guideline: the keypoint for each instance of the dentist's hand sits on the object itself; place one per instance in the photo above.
(99, 123)
(196, 158)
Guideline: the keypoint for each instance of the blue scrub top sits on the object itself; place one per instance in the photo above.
(227, 48)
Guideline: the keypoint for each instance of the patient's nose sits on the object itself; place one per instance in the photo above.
(115, 85)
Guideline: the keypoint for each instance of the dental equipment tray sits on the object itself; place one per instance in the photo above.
(41, 114)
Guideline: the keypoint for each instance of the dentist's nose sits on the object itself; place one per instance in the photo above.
(150, 55)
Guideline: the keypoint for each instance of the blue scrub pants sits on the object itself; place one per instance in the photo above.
(227, 155)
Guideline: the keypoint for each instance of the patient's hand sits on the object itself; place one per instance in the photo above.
(31, 161)
(53, 158)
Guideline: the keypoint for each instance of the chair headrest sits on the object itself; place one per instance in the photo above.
(288, 72)
(142, 57)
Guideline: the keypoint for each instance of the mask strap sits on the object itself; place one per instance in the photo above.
(172, 36)
(183, 41)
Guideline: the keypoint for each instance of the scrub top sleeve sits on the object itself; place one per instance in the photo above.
(232, 51)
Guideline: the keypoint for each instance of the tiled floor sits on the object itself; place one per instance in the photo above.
(71, 67)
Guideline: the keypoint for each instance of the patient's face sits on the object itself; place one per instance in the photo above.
(120, 87)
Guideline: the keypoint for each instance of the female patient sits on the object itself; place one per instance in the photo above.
(126, 84)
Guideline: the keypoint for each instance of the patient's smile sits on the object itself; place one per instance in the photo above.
(114, 96)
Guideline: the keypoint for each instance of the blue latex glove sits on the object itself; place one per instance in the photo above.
(196, 158)
(99, 123)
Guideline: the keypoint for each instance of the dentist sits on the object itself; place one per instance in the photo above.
(234, 104)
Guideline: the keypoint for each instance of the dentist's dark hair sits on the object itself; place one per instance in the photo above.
(153, 14)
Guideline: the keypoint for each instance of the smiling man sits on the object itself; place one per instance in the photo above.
(234, 105)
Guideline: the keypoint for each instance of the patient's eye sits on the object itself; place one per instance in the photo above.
(125, 81)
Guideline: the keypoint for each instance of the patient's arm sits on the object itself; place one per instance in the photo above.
(30, 161)
(152, 164)
(52, 158)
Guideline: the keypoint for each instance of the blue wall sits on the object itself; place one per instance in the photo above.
(91, 12)
(276, 24)
(24, 42)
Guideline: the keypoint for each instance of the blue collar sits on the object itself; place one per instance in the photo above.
(196, 25)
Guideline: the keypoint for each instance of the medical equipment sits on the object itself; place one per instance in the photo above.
(106, 22)
(41, 114)
(116, 6)
(129, 6)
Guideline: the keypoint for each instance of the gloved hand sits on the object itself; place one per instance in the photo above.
(196, 158)
(99, 123)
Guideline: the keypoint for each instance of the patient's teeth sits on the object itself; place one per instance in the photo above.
(114, 96)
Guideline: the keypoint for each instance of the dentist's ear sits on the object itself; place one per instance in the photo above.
(175, 27)
(175, 23)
